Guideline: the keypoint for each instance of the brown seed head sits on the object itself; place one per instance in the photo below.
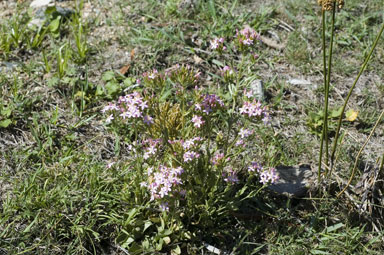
(327, 5)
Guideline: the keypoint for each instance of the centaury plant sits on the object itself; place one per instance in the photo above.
(190, 148)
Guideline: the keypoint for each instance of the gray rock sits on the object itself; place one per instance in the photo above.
(257, 88)
(8, 66)
(186, 4)
(41, 18)
(294, 181)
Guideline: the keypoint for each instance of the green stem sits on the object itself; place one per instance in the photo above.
(381, 168)
(349, 95)
(325, 86)
(358, 155)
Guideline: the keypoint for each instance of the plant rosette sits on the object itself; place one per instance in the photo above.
(186, 148)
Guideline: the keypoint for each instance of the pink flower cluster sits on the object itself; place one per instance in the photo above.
(228, 73)
(252, 109)
(216, 160)
(247, 37)
(230, 176)
(248, 93)
(151, 149)
(227, 70)
(129, 107)
(163, 181)
(266, 176)
(243, 133)
(218, 44)
(190, 143)
(255, 167)
(190, 155)
(152, 75)
(197, 121)
(255, 109)
(209, 103)
(269, 176)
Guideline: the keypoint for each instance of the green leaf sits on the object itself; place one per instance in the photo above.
(112, 87)
(54, 26)
(147, 225)
(6, 112)
(165, 95)
(159, 245)
(334, 227)
(176, 251)
(217, 62)
(167, 240)
(128, 82)
(166, 232)
(5, 123)
(187, 235)
(107, 76)
(27, 229)
(145, 244)
(99, 90)
(319, 252)
(336, 113)
(128, 242)
(53, 81)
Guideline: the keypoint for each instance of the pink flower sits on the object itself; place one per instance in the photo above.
(239, 142)
(217, 44)
(109, 165)
(109, 119)
(109, 107)
(126, 115)
(248, 94)
(231, 176)
(148, 120)
(227, 71)
(216, 159)
(152, 150)
(253, 109)
(163, 181)
(255, 167)
(153, 74)
(188, 144)
(198, 107)
(190, 155)
(214, 44)
(269, 176)
(244, 133)
(164, 206)
(264, 178)
(143, 105)
(197, 121)
(248, 42)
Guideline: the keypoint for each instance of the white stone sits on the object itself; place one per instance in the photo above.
(299, 82)
(40, 3)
